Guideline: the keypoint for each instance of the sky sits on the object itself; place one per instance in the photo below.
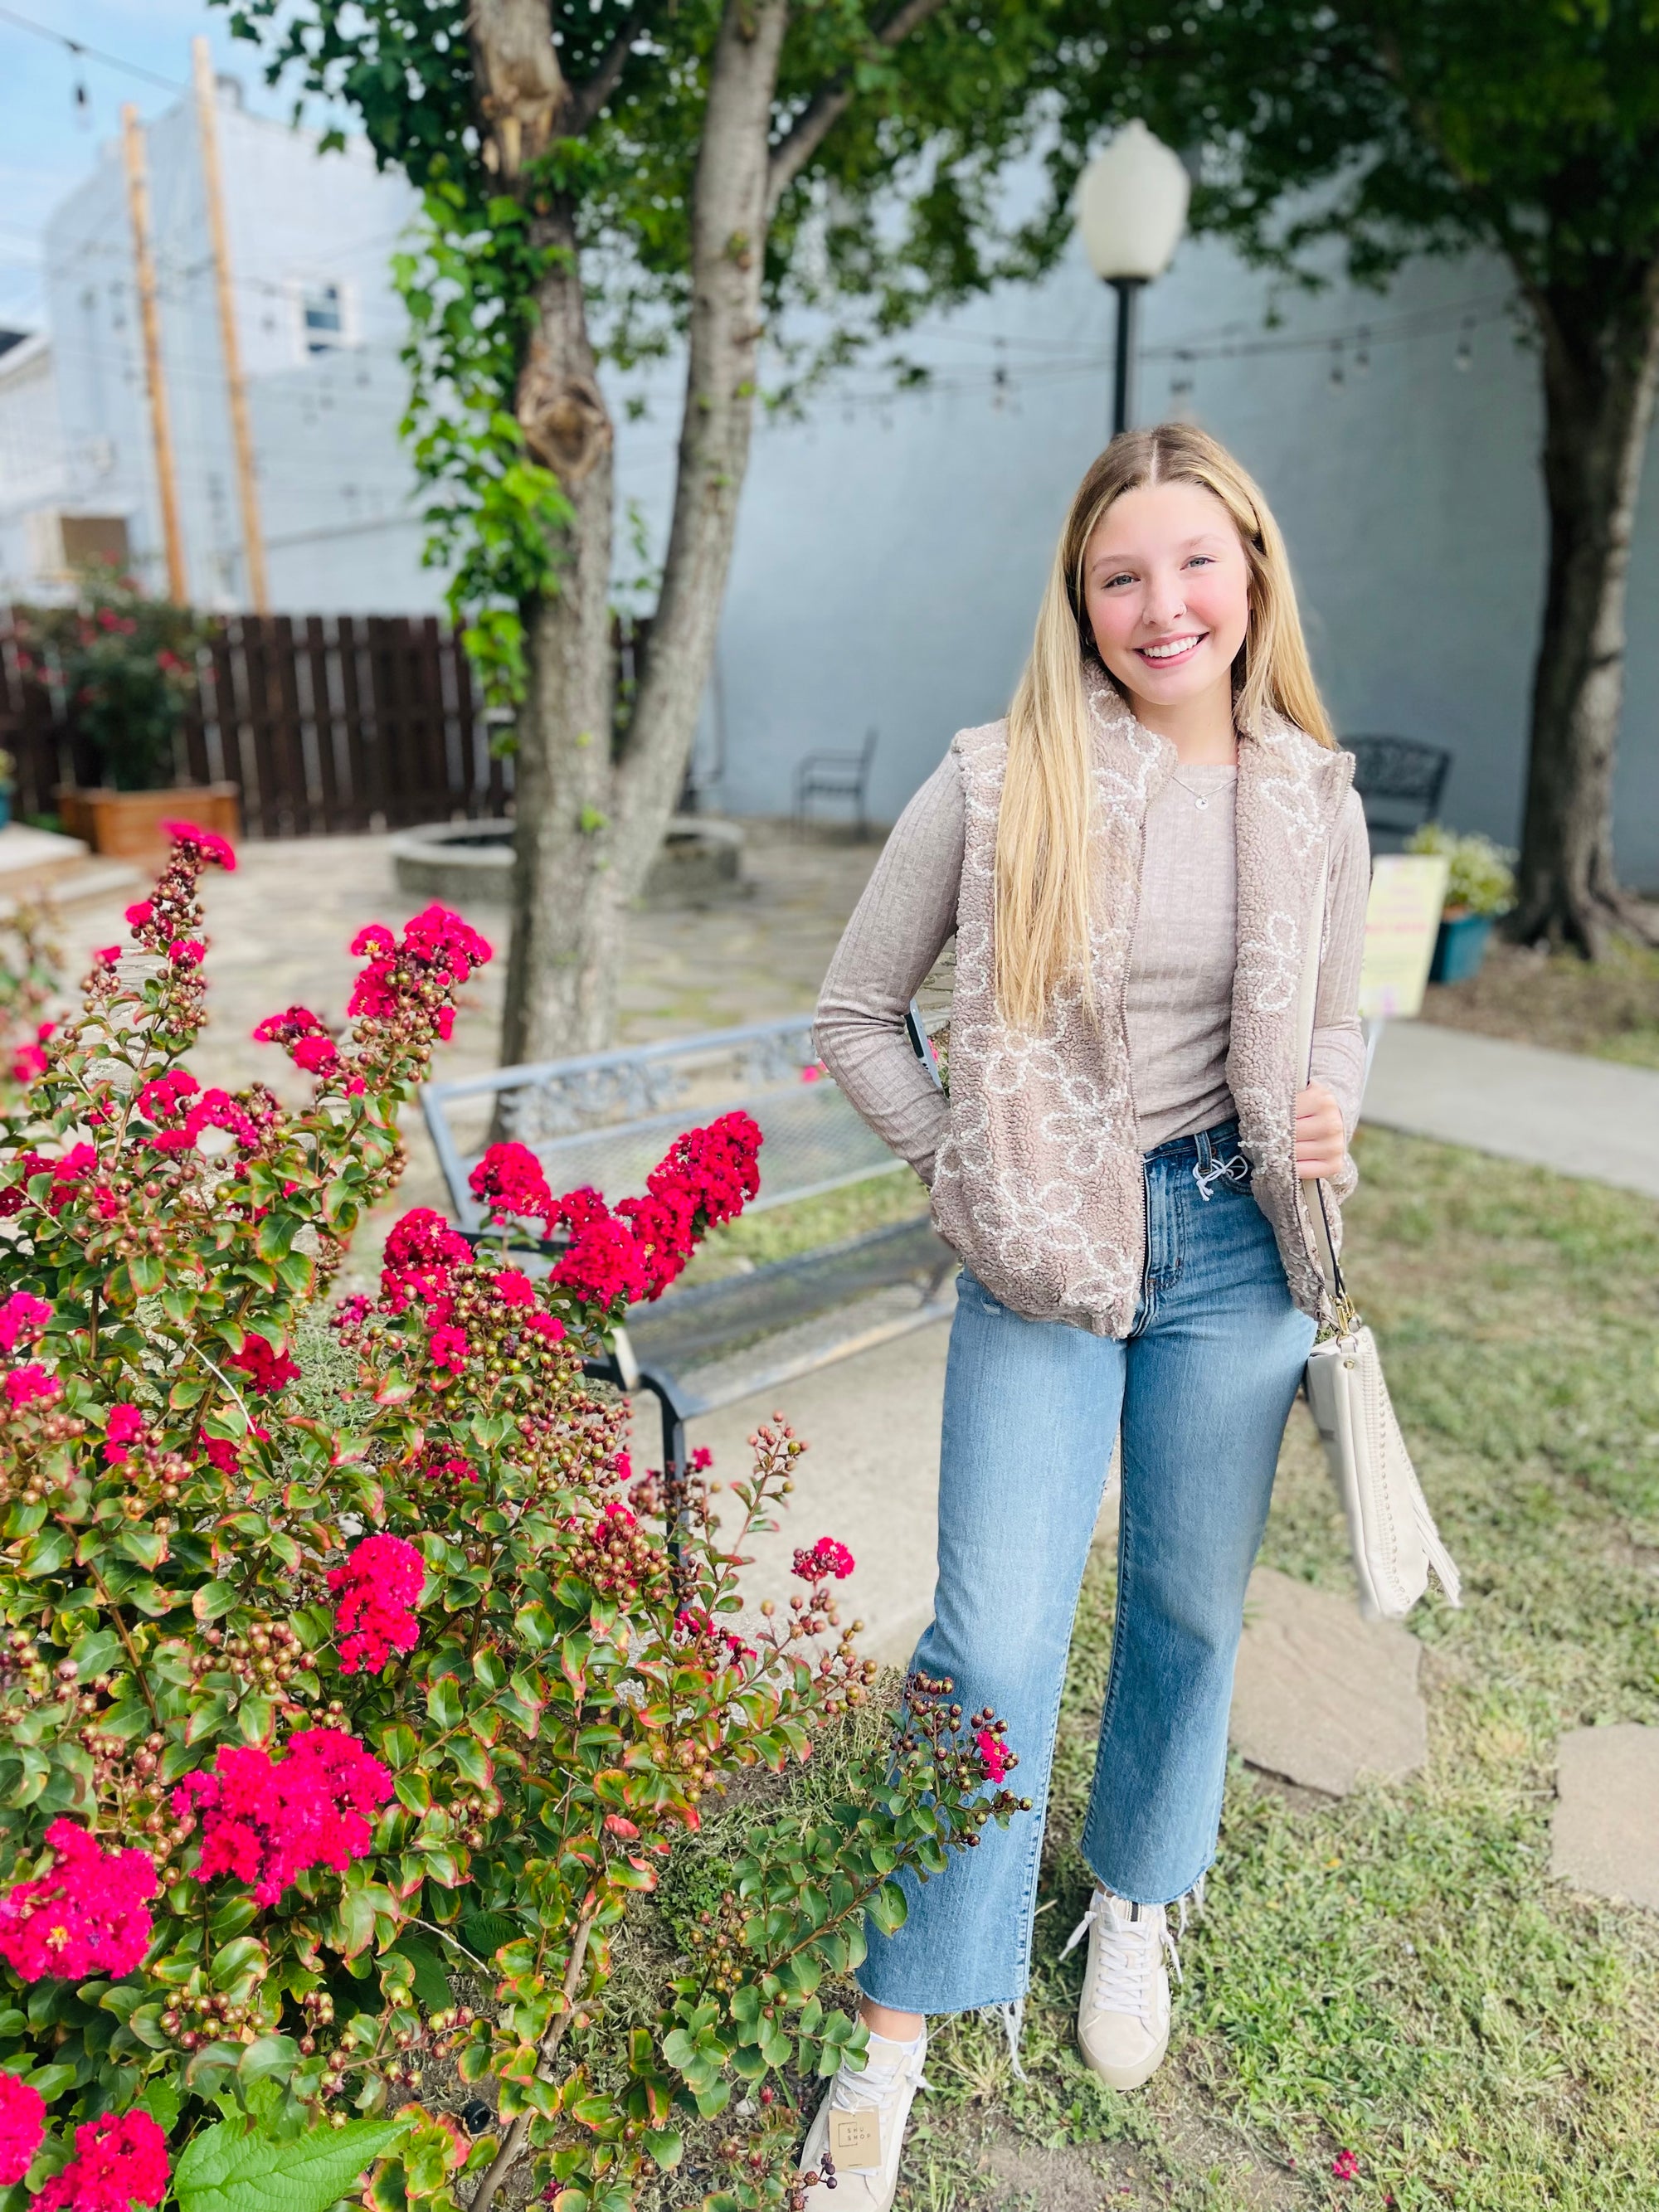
(48, 143)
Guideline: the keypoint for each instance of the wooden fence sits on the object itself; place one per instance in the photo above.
(329, 723)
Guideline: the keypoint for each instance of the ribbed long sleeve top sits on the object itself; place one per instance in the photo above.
(1178, 998)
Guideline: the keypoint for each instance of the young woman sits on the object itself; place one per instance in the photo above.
(1130, 863)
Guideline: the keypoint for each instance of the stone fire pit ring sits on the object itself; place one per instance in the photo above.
(470, 863)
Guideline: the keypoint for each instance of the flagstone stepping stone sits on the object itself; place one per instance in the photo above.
(1321, 1696)
(1605, 1830)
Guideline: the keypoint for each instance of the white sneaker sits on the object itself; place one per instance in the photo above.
(1123, 2017)
(858, 2131)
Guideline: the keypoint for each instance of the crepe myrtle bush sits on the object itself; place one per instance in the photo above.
(303, 1712)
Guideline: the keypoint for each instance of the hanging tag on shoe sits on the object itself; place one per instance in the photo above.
(855, 2138)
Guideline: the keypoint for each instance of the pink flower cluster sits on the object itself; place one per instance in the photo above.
(29, 1060)
(30, 1386)
(994, 1754)
(22, 1317)
(267, 1816)
(223, 1453)
(622, 1256)
(268, 1370)
(87, 1916)
(67, 1173)
(124, 1428)
(377, 1588)
(305, 1036)
(509, 1181)
(117, 2162)
(825, 1558)
(23, 2124)
(422, 1255)
(1345, 2166)
(631, 1253)
(436, 945)
(203, 845)
(166, 1102)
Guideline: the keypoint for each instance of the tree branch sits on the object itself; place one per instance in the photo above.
(829, 103)
(517, 2136)
(586, 99)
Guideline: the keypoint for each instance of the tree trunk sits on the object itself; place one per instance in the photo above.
(589, 827)
(567, 897)
(1600, 367)
(728, 253)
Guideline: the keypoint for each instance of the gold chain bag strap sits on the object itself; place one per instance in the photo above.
(1396, 1542)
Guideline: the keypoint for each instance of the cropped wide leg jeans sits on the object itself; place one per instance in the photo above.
(1202, 1388)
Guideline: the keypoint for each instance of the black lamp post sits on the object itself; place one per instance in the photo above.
(1130, 209)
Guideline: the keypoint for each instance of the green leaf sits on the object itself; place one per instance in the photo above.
(269, 2054)
(431, 1982)
(212, 1599)
(666, 2145)
(224, 2169)
(484, 1933)
(50, 2080)
(160, 2099)
(95, 1653)
(443, 1702)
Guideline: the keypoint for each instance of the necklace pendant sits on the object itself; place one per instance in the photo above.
(1201, 804)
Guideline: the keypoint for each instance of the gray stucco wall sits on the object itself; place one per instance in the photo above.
(890, 577)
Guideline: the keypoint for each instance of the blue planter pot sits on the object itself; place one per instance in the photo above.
(5, 805)
(1460, 948)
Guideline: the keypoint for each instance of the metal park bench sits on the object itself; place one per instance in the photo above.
(605, 1119)
(1400, 781)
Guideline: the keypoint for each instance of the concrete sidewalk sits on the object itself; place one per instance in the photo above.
(1593, 1119)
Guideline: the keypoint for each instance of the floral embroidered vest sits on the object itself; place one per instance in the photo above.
(1039, 1182)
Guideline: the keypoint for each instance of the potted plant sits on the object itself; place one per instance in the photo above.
(7, 785)
(125, 666)
(1480, 886)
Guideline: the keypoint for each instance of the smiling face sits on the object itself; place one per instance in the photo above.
(1166, 592)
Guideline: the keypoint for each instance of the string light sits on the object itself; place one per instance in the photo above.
(90, 53)
(1000, 377)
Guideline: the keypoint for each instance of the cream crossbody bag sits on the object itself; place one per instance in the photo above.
(1396, 1542)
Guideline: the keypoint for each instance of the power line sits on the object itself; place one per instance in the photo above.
(76, 47)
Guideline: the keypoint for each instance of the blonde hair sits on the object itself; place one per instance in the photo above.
(1041, 908)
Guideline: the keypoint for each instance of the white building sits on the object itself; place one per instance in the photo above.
(890, 550)
(319, 325)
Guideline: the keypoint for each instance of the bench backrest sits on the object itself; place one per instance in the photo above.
(607, 1118)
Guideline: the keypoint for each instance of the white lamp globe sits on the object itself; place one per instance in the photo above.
(1131, 206)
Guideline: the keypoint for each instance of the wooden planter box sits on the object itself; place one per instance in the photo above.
(127, 825)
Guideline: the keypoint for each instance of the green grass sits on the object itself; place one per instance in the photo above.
(1395, 1974)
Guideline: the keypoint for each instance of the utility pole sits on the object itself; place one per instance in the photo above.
(132, 147)
(254, 544)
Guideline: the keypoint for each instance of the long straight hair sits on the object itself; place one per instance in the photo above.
(1041, 909)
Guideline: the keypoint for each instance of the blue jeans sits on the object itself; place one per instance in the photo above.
(1203, 1386)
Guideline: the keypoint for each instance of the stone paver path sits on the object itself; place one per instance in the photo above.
(1321, 1696)
(1589, 1118)
(1605, 1834)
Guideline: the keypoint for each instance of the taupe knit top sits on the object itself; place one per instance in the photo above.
(1178, 991)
